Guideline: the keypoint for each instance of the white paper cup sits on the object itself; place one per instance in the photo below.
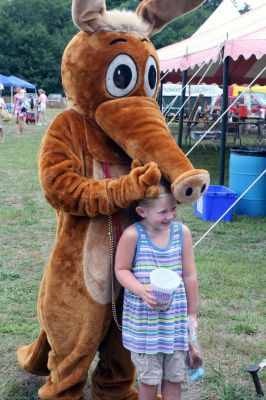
(163, 283)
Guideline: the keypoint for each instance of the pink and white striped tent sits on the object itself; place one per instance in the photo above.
(242, 38)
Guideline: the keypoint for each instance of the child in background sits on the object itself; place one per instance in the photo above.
(158, 340)
(19, 111)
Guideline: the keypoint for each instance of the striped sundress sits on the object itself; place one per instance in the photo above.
(149, 331)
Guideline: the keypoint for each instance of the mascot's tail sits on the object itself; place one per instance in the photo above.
(34, 358)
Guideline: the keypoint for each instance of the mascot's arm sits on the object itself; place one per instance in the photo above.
(65, 186)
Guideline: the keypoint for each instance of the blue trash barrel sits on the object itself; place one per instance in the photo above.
(245, 165)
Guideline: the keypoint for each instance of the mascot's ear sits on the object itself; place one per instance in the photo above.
(87, 13)
(159, 13)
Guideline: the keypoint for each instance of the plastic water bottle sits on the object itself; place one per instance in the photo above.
(195, 374)
(194, 358)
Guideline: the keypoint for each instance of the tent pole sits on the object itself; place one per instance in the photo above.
(183, 99)
(12, 98)
(224, 118)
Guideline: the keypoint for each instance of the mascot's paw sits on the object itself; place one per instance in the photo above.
(144, 180)
(191, 185)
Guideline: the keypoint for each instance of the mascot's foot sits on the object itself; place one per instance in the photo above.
(34, 358)
(189, 186)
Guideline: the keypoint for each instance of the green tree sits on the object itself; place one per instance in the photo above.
(34, 34)
(33, 44)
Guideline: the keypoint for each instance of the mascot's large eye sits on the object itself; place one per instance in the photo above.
(121, 76)
(150, 77)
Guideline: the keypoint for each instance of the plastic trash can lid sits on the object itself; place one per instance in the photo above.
(249, 151)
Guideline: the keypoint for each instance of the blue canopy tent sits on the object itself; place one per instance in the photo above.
(20, 82)
(5, 81)
(12, 81)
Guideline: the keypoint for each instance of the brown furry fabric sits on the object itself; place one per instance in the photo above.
(159, 13)
(74, 305)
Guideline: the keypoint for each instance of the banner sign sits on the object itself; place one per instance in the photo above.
(170, 89)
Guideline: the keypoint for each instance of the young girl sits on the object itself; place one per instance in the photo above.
(158, 340)
(18, 110)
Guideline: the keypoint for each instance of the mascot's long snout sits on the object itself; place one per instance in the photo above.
(139, 133)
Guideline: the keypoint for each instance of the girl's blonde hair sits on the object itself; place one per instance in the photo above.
(165, 190)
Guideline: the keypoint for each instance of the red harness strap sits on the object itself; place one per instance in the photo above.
(115, 216)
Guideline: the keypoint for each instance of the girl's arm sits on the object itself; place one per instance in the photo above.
(190, 274)
(123, 263)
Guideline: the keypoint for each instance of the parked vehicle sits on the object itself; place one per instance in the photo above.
(256, 100)
(55, 100)
(54, 97)
(235, 90)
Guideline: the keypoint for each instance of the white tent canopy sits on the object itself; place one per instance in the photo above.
(234, 50)
(243, 38)
(224, 13)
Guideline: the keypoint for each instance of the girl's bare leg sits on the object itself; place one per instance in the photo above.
(171, 390)
(20, 125)
(147, 392)
(41, 117)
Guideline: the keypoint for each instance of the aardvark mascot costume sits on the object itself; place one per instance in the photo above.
(110, 73)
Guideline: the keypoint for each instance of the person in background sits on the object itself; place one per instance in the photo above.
(19, 111)
(235, 114)
(158, 340)
(2, 108)
(41, 108)
(31, 103)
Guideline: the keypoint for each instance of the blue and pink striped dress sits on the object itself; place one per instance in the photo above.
(149, 331)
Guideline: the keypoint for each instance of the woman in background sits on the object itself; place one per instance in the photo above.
(42, 107)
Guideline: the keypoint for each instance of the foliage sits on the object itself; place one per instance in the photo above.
(34, 33)
(32, 42)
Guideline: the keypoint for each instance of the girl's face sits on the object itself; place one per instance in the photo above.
(160, 213)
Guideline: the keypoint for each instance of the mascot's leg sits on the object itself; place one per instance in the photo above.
(73, 349)
(33, 358)
(73, 328)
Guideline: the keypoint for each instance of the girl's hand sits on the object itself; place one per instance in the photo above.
(147, 296)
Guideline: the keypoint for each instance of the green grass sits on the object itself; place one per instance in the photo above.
(230, 262)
